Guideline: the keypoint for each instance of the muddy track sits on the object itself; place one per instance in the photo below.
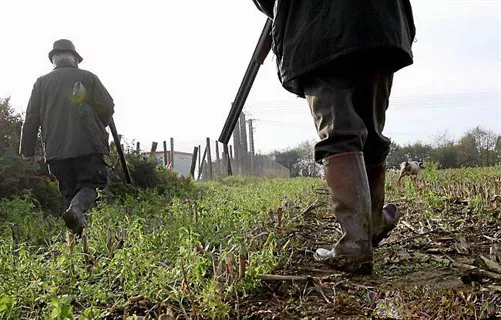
(427, 269)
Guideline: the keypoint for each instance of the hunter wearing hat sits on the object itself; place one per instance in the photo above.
(72, 108)
(341, 56)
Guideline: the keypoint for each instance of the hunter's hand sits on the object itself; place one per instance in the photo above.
(30, 160)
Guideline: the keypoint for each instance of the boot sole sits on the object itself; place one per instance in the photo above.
(359, 265)
(365, 269)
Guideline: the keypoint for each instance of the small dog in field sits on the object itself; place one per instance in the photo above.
(409, 168)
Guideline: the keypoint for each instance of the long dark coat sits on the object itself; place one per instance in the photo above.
(308, 34)
(68, 129)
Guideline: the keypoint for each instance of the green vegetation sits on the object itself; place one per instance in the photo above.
(170, 248)
(434, 191)
(147, 254)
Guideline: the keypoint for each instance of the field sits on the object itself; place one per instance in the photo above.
(242, 248)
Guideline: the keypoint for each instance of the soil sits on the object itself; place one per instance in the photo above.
(428, 268)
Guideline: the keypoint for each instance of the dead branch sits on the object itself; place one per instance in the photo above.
(492, 265)
(491, 238)
(132, 300)
(311, 207)
(408, 225)
(409, 238)
(187, 288)
(275, 277)
(318, 288)
(481, 272)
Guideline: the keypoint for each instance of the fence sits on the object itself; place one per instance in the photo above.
(242, 158)
(215, 162)
(210, 161)
(246, 164)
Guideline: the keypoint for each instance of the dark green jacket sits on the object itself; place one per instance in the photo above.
(308, 34)
(68, 129)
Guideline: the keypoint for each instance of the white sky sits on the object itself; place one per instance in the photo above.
(174, 67)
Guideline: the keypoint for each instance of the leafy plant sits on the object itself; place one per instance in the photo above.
(145, 251)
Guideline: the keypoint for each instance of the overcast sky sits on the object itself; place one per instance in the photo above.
(174, 67)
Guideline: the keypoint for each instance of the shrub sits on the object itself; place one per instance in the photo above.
(20, 179)
(146, 175)
(10, 126)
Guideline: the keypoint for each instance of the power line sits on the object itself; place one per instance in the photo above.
(393, 105)
(493, 98)
(409, 102)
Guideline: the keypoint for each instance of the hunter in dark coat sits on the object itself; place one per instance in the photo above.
(72, 108)
(341, 56)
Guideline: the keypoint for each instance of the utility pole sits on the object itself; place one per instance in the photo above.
(251, 137)
(236, 142)
(243, 133)
(244, 157)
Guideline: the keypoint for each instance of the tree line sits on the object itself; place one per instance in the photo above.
(478, 147)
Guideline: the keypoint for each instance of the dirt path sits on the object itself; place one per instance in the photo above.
(427, 269)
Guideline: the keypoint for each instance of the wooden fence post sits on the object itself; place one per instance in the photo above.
(252, 164)
(209, 158)
(172, 153)
(199, 157)
(224, 163)
(193, 162)
(218, 163)
(228, 159)
(153, 149)
(202, 164)
(165, 154)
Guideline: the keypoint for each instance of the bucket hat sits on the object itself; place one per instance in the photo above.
(64, 45)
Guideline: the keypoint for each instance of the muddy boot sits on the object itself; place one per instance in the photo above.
(384, 218)
(74, 217)
(349, 190)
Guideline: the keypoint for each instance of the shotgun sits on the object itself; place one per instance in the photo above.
(79, 92)
(262, 49)
(120, 151)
